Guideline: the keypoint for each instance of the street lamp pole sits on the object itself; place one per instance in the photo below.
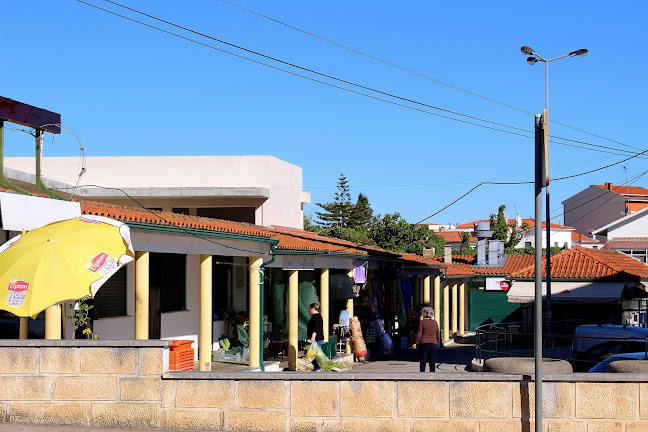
(534, 58)
(542, 167)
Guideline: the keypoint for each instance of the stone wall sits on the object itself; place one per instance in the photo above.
(125, 384)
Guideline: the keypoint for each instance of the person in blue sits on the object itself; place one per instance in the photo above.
(315, 329)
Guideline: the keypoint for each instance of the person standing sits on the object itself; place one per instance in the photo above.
(315, 329)
(427, 339)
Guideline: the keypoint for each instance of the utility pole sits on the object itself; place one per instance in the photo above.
(537, 305)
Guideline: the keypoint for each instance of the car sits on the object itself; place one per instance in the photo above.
(603, 366)
(586, 360)
(588, 335)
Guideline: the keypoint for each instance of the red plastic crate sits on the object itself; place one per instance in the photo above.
(181, 355)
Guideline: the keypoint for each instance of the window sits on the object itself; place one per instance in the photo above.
(110, 300)
(167, 274)
(527, 244)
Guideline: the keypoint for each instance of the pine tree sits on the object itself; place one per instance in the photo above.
(362, 214)
(338, 212)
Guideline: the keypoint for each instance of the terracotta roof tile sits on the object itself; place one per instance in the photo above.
(297, 239)
(582, 263)
(453, 236)
(623, 190)
(131, 214)
(582, 238)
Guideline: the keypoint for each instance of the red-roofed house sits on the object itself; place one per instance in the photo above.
(599, 205)
(588, 286)
(584, 241)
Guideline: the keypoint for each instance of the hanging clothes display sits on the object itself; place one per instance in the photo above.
(360, 273)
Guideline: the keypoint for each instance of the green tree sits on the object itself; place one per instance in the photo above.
(499, 225)
(349, 234)
(393, 233)
(338, 212)
(516, 233)
(465, 248)
(309, 225)
(362, 214)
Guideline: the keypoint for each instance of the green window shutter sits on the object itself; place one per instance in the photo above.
(168, 273)
(110, 300)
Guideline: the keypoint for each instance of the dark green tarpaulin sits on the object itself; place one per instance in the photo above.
(278, 306)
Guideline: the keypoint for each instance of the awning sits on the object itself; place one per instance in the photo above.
(569, 292)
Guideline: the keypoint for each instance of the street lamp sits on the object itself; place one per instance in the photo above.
(534, 58)
(542, 164)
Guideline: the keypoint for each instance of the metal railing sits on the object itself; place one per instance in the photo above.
(515, 339)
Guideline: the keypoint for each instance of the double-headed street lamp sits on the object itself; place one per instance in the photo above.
(542, 175)
(534, 58)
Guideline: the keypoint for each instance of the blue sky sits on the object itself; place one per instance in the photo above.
(126, 89)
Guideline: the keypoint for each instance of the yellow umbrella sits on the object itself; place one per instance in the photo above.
(62, 261)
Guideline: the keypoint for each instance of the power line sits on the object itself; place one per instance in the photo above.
(518, 183)
(326, 83)
(297, 66)
(418, 74)
(327, 76)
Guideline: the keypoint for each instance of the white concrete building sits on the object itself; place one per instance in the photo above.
(262, 190)
(628, 235)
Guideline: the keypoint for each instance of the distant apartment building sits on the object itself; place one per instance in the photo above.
(261, 190)
(599, 205)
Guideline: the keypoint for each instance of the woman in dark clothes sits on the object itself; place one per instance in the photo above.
(315, 329)
(428, 339)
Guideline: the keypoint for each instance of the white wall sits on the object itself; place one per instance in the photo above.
(560, 236)
(637, 227)
(282, 179)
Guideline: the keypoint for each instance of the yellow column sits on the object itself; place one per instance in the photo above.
(324, 301)
(254, 330)
(462, 308)
(141, 295)
(454, 310)
(446, 311)
(205, 330)
(293, 281)
(53, 322)
(349, 307)
(437, 300)
(426, 290)
(23, 332)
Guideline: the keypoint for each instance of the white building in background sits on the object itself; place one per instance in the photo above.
(628, 235)
(262, 190)
(561, 235)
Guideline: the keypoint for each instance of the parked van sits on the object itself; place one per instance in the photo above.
(588, 335)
